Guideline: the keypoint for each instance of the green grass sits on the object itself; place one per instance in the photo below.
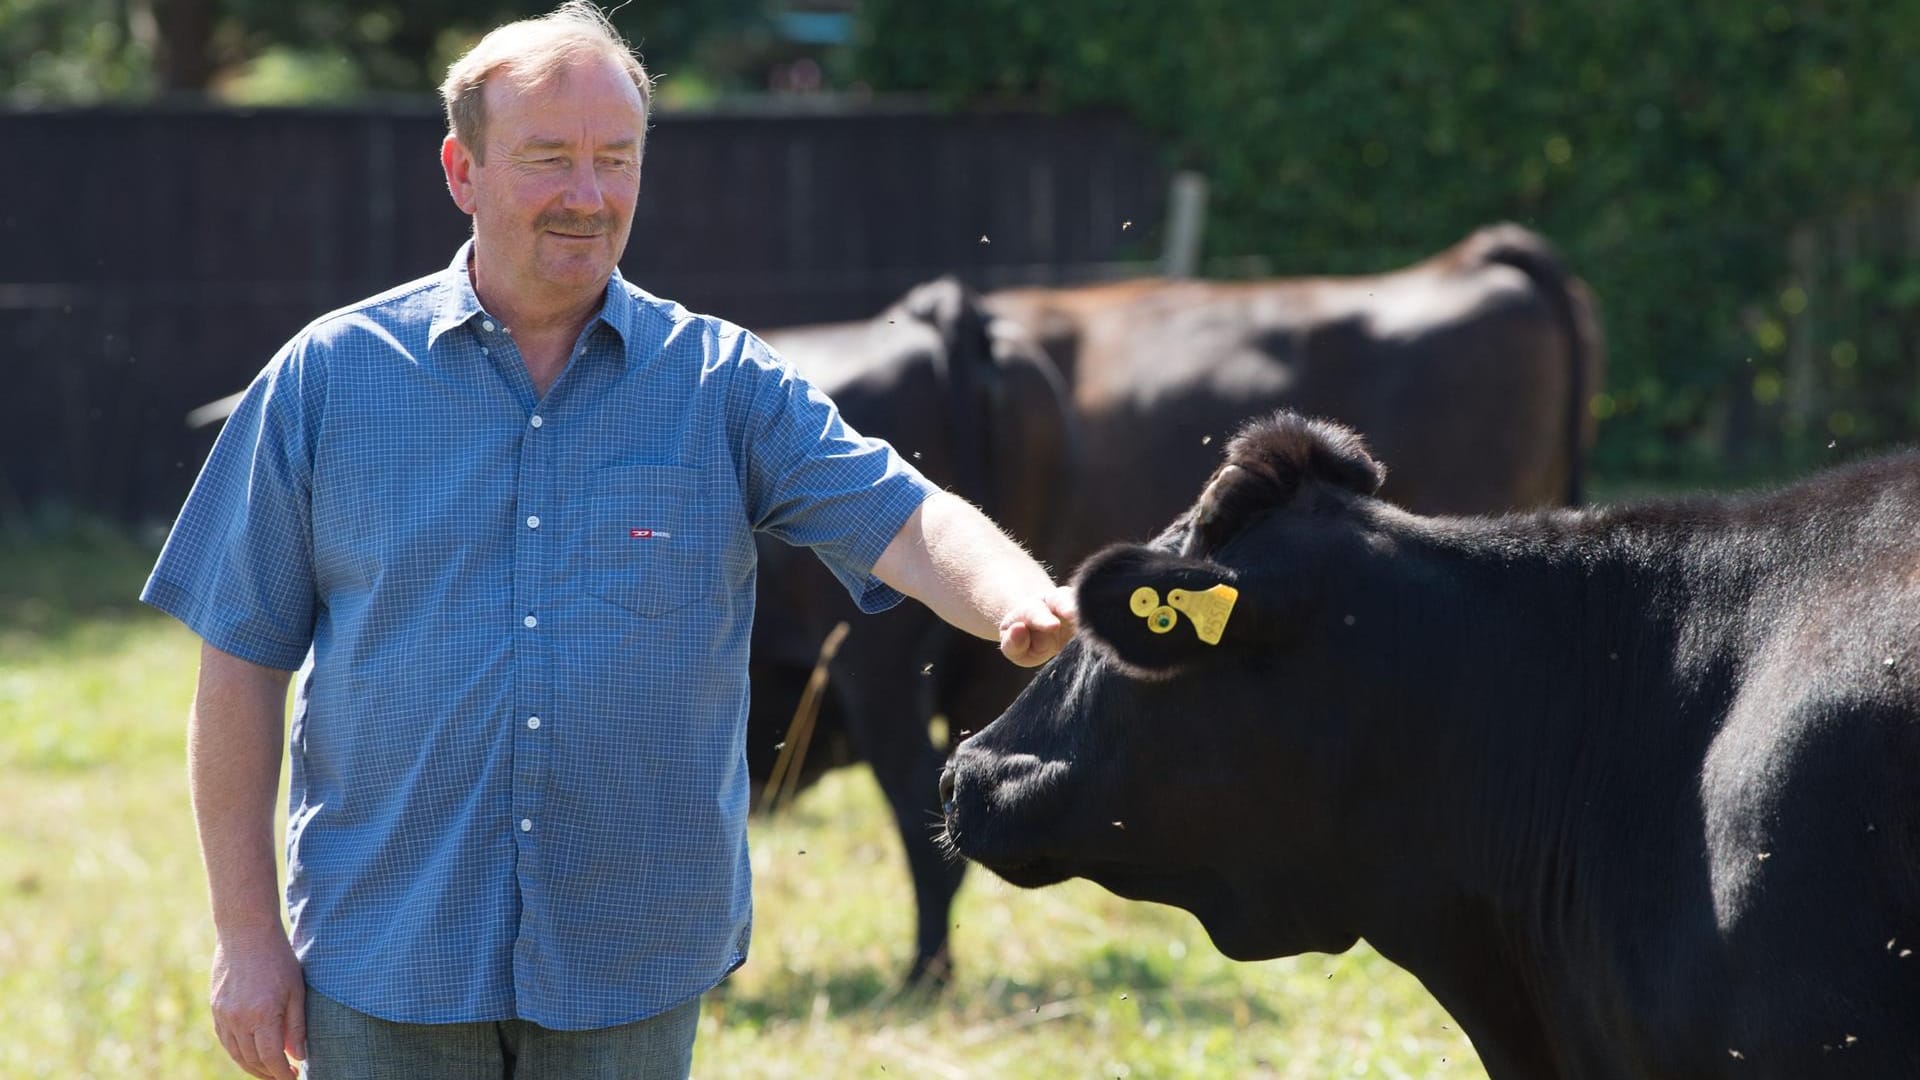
(104, 947)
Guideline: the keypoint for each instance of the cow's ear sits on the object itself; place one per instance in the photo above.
(1156, 611)
(950, 308)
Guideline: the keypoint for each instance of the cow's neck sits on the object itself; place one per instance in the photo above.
(1461, 949)
(1559, 684)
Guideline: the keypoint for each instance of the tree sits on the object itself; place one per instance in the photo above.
(74, 50)
(89, 50)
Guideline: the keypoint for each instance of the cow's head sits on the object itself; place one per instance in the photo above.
(1189, 746)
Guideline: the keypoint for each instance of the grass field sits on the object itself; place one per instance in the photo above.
(105, 939)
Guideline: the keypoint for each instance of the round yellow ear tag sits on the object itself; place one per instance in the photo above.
(1143, 601)
(1161, 619)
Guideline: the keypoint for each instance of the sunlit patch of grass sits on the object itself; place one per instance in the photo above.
(116, 692)
(102, 953)
(1066, 981)
(104, 949)
(102, 959)
(80, 657)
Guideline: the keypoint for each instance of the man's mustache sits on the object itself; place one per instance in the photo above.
(577, 224)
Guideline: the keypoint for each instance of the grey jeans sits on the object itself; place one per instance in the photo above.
(344, 1044)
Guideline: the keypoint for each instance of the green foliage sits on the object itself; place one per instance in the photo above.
(71, 50)
(283, 76)
(268, 51)
(1669, 151)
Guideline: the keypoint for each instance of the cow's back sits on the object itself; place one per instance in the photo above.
(1464, 370)
(1811, 788)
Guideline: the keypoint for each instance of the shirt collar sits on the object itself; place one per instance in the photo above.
(459, 304)
(619, 310)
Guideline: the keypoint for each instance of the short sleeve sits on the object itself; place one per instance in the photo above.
(237, 567)
(813, 481)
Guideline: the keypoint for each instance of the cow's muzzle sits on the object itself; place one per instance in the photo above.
(1003, 811)
(946, 794)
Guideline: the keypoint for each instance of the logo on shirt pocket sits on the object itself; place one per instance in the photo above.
(639, 553)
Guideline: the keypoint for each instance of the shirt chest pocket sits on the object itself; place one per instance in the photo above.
(642, 547)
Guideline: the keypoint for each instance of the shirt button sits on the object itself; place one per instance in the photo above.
(487, 325)
(536, 421)
(533, 521)
(533, 723)
(530, 622)
(526, 824)
(484, 351)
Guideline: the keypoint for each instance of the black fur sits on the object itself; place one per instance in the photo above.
(1270, 463)
(1632, 791)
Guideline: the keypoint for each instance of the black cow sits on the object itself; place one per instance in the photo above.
(1635, 792)
(980, 410)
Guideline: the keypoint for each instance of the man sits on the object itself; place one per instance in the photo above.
(506, 514)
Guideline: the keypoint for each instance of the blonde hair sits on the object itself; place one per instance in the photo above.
(532, 51)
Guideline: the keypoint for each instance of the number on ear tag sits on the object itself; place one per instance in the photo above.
(1208, 609)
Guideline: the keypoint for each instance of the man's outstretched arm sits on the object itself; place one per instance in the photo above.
(952, 558)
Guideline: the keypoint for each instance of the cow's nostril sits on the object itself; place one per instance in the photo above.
(946, 787)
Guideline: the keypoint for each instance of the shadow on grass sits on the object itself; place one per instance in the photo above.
(1112, 977)
(57, 582)
(791, 995)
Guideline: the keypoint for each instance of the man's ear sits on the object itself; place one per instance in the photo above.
(1156, 611)
(457, 162)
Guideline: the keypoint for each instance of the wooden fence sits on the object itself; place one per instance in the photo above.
(152, 260)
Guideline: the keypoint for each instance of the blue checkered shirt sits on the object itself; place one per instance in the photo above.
(519, 782)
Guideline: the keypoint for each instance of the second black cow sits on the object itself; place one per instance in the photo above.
(981, 411)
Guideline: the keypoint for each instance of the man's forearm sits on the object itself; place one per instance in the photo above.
(234, 745)
(956, 561)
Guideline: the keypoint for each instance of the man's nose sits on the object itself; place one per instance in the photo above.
(583, 188)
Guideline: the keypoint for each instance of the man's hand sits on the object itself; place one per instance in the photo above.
(1036, 629)
(260, 1001)
(950, 557)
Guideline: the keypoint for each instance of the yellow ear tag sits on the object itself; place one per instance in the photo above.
(1146, 603)
(1208, 609)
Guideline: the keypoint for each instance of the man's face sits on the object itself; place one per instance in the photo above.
(553, 203)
